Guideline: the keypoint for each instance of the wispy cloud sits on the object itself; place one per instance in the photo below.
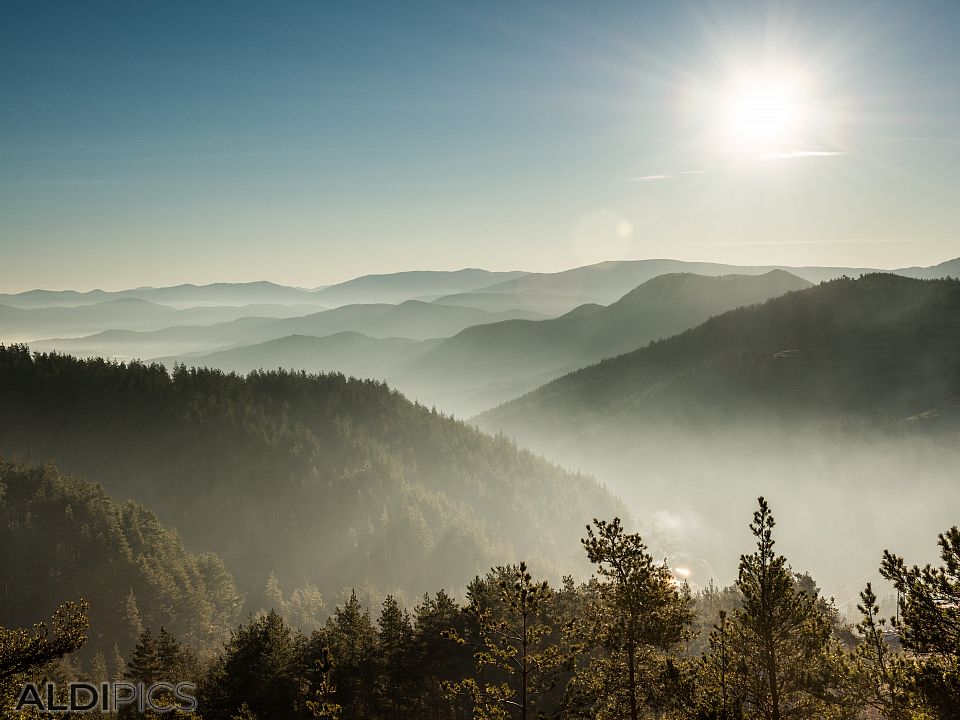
(648, 178)
(794, 154)
(819, 241)
(653, 178)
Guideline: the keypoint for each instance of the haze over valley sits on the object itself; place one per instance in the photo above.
(684, 396)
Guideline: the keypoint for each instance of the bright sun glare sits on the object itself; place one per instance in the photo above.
(764, 112)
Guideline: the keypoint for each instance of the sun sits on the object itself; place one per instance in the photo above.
(764, 112)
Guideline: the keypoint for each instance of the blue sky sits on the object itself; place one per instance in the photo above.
(305, 143)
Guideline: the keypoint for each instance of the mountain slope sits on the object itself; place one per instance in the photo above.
(511, 357)
(319, 479)
(881, 348)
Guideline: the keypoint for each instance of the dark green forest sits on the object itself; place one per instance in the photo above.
(324, 481)
(631, 642)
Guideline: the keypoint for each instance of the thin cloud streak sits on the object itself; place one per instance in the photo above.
(653, 178)
(794, 154)
(837, 241)
(648, 178)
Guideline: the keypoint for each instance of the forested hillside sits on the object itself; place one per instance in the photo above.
(63, 538)
(321, 479)
(881, 349)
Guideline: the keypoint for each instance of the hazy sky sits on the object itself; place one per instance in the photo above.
(305, 143)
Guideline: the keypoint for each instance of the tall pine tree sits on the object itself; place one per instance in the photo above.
(786, 663)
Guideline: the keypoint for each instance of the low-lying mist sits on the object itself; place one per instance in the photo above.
(840, 498)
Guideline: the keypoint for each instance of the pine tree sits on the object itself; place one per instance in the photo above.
(273, 596)
(132, 616)
(521, 664)
(98, 668)
(781, 638)
(145, 663)
(352, 642)
(119, 664)
(395, 652)
(440, 662)
(718, 698)
(876, 671)
(639, 614)
(323, 707)
(929, 624)
(305, 609)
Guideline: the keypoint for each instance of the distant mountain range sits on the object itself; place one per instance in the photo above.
(513, 331)
(19, 324)
(546, 293)
(177, 295)
(388, 288)
(487, 364)
(416, 285)
(412, 319)
(351, 353)
(603, 283)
